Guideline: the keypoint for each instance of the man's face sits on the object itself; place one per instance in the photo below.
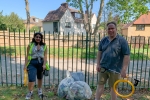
(112, 30)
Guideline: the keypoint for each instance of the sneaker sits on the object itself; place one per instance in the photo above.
(28, 96)
(40, 92)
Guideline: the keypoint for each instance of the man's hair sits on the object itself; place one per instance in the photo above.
(112, 23)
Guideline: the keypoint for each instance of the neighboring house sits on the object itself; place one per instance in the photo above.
(138, 27)
(65, 19)
(34, 22)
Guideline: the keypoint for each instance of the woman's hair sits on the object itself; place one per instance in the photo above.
(41, 42)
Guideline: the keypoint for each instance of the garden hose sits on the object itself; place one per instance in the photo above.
(127, 81)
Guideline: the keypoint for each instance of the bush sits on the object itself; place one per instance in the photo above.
(3, 27)
(35, 29)
(146, 46)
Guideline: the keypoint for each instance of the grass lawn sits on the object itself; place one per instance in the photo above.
(50, 93)
(136, 54)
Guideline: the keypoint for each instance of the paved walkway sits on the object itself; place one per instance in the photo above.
(12, 69)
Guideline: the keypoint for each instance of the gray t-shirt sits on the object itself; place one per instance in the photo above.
(113, 53)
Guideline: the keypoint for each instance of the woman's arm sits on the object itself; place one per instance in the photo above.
(45, 56)
(26, 58)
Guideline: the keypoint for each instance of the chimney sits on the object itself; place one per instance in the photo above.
(64, 5)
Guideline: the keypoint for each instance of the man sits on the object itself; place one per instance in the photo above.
(112, 60)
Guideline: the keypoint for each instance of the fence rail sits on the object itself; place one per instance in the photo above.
(72, 52)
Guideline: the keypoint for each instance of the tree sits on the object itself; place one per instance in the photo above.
(13, 22)
(128, 9)
(28, 15)
(110, 17)
(2, 25)
(35, 29)
(89, 7)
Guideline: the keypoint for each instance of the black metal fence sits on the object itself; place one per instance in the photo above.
(72, 52)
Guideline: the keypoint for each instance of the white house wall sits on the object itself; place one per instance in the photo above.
(48, 27)
(67, 17)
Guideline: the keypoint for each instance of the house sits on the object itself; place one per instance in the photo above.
(138, 27)
(34, 22)
(65, 19)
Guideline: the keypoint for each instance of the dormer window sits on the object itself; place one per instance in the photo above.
(77, 15)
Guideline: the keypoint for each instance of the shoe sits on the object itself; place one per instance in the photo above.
(40, 92)
(28, 96)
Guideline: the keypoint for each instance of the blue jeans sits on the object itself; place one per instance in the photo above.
(35, 69)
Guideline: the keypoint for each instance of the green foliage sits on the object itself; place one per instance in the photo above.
(128, 9)
(3, 27)
(12, 21)
(73, 3)
(35, 29)
(146, 46)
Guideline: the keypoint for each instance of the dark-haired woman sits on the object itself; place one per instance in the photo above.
(35, 63)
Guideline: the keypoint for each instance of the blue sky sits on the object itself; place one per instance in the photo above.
(38, 8)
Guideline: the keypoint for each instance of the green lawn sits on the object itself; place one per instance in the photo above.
(136, 54)
(50, 93)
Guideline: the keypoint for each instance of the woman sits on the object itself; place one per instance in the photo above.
(35, 63)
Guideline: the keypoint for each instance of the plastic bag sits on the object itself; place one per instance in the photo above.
(79, 90)
(64, 85)
(77, 76)
(25, 81)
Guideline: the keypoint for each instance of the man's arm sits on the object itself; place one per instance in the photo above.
(98, 60)
(126, 61)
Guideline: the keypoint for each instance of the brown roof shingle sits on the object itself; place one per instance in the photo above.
(55, 14)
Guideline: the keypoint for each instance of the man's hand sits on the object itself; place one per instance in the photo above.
(123, 73)
(98, 68)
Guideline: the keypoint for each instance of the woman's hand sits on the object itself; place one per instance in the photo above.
(25, 68)
(44, 67)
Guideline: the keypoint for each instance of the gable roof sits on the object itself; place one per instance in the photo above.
(56, 15)
(143, 19)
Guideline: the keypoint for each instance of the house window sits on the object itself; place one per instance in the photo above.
(68, 25)
(77, 15)
(78, 25)
(140, 27)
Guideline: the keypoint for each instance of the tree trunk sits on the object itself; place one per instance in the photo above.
(89, 7)
(28, 16)
(99, 17)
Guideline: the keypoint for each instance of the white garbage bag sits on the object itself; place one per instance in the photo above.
(79, 90)
(64, 86)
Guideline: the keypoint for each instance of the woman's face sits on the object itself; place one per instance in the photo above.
(37, 38)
